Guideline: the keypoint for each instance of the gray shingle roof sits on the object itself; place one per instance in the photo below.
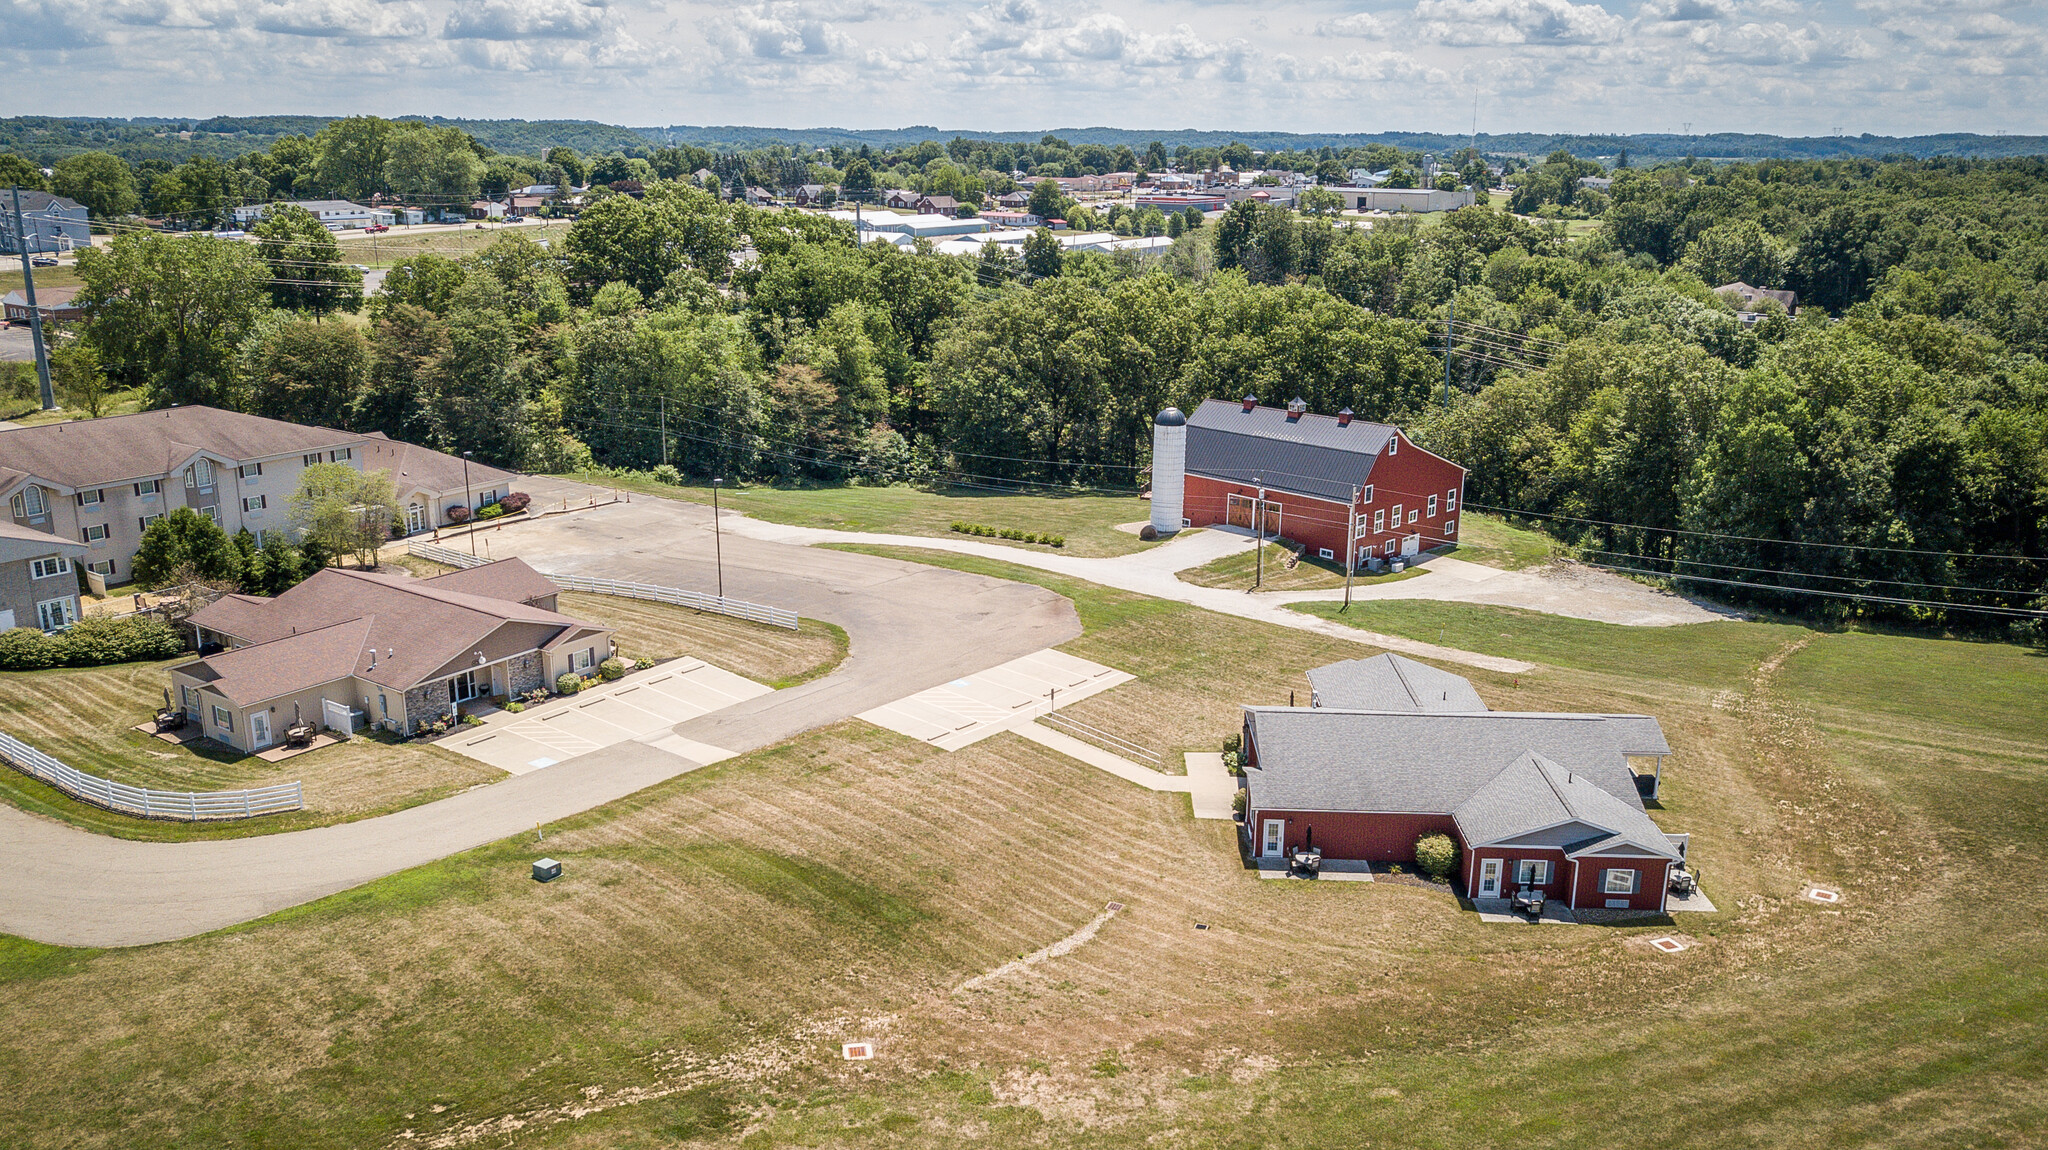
(94, 452)
(1335, 760)
(1534, 792)
(1391, 682)
(1309, 455)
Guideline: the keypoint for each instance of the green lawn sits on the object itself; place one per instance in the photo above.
(1493, 541)
(716, 938)
(1089, 522)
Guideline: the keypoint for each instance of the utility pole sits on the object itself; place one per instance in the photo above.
(718, 537)
(1259, 536)
(469, 501)
(35, 314)
(1350, 547)
(664, 431)
(1450, 321)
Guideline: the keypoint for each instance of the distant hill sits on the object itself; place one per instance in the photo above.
(1722, 145)
(47, 139)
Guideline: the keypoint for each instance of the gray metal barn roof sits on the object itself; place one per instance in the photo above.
(1307, 455)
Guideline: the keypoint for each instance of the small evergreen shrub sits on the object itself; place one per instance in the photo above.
(568, 683)
(515, 706)
(610, 669)
(91, 642)
(491, 511)
(1436, 856)
(1013, 533)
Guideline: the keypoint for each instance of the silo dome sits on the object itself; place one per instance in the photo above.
(1171, 417)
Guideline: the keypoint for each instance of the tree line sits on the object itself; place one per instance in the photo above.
(1595, 380)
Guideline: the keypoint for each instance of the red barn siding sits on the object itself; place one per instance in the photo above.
(1354, 834)
(1651, 875)
(1407, 479)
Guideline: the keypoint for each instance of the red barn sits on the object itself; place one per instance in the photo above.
(1336, 484)
(1392, 749)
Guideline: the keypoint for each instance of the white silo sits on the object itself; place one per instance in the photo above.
(1169, 469)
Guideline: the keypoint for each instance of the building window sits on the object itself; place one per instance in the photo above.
(50, 567)
(1379, 521)
(1394, 445)
(309, 460)
(490, 497)
(189, 697)
(200, 474)
(1366, 495)
(57, 614)
(251, 470)
(94, 532)
(103, 567)
(384, 705)
(211, 511)
(148, 488)
(1532, 872)
(224, 719)
(1450, 528)
(29, 502)
(89, 498)
(254, 503)
(1432, 507)
(1414, 515)
(1397, 517)
(340, 454)
(1619, 882)
(1451, 499)
(145, 520)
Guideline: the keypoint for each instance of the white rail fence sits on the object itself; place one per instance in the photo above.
(185, 806)
(695, 600)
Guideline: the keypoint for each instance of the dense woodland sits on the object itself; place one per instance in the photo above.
(1596, 385)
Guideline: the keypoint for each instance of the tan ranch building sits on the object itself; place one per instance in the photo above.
(349, 648)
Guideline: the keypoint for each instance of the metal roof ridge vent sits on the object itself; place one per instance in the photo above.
(1249, 401)
(1296, 408)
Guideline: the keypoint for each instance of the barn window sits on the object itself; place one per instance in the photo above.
(1379, 521)
(1432, 507)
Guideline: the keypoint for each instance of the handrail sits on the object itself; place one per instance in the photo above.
(184, 806)
(696, 600)
(1077, 727)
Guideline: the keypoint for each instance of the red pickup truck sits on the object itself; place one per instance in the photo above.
(374, 228)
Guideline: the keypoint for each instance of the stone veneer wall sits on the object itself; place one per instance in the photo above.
(424, 702)
(523, 673)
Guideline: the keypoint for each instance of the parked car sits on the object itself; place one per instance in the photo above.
(43, 261)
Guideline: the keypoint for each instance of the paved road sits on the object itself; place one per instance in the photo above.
(910, 626)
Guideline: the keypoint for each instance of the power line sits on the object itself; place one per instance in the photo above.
(2009, 612)
(1756, 538)
(1801, 574)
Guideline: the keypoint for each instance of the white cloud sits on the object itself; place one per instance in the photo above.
(1361, 24)
(46, 25)
(348, 19)
(1467, 23)
(525, 20)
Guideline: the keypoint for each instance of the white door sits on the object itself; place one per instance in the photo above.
(259, 730)
(1411, 545)
(1489, 878)
(1275, 835)
(415, 519)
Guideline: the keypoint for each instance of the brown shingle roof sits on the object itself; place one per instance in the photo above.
(413, 467)
(294, 663)
(508, 579)
(416, 628)
(96, 452)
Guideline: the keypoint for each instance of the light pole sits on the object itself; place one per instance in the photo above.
(469, 503)
(717, 537)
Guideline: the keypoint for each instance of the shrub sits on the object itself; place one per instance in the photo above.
(1014, 533)
(610, 669)
(472, 721)
(568, 683)
(1148, 533)
(515, 502)
(1237, 802)
(93, 642)
(537, 695)
(667, 473)
(1233, 763)
(23, 649)
(457, 513)
(515, 706)
(491, 511)
(1235, 742)
(1436, 856)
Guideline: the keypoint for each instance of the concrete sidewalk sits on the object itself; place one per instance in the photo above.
(1207, 784)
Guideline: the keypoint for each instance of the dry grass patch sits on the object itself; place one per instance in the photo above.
(1241, 571)
(85, 718)
(775, 656)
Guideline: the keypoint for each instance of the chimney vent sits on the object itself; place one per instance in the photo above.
(1250, 401)
(1344, 418)
(1296, 407)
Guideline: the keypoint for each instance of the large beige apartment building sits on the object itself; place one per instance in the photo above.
(102, 482)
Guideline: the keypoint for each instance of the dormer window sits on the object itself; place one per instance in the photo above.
(28, 503)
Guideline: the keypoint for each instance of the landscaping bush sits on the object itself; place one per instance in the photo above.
(515, 706)
(568, 683)
(667, 473)
(90, 643)
(1013, 533)
(610, 669)
(1436, 856)
(457, 513)
(1233, 763)
(515, 502)
(1237, 802)
(1235, 742)
(491, 511)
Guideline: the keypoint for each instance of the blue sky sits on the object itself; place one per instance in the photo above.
(1793, 67)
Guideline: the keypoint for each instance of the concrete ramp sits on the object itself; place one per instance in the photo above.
(966, 711)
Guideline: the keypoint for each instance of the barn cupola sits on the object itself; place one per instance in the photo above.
(1250, 401)
(1296, 408)
(1344, 418)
